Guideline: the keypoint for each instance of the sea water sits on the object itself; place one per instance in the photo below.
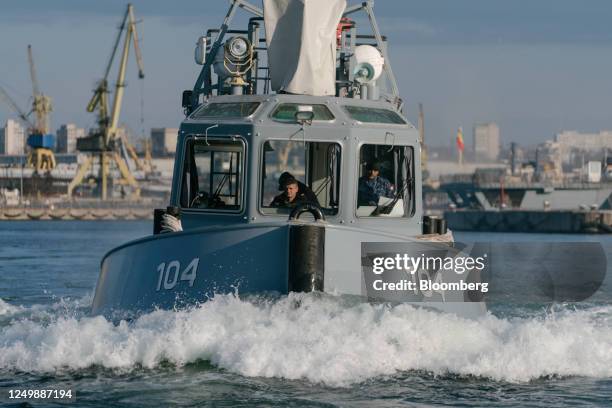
(301, 350)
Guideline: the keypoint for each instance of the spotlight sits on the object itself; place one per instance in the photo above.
(238, 47)
(234, 59)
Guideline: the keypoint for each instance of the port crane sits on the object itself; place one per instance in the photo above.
(13, 105)
(104, 143)
(41, 142)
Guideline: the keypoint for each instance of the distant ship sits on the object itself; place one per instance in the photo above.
(487, 190)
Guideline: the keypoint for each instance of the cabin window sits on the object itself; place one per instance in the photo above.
(386, 181)
(314, 165)
(212, 176)
(225, 110)
(374, 115)
(285, 112)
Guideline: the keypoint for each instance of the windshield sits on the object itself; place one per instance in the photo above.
(373, 115)
(285, 112)
(212, 177)
(386, 183)
(295, 172)
(224, 110)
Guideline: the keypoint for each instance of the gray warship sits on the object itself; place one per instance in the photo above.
(310, 96)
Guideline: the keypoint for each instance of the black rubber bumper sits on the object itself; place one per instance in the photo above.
(306, 258)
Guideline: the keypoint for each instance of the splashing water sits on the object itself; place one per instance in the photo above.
(323, 339)
(7, 309)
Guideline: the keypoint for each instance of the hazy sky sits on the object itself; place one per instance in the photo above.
(533, 66)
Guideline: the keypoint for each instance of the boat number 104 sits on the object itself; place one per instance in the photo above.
(171, 273)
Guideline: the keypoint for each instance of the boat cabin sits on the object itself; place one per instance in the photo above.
(232, 151)
(268, 104)
(313, 100)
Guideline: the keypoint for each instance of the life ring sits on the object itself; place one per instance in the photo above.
(307, 207)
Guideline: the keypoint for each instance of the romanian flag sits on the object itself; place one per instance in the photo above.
(460, 144)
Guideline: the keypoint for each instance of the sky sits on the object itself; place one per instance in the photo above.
(535, 67)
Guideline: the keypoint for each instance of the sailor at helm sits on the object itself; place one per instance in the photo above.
(294, 192)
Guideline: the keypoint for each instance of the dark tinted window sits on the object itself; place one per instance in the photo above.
(285, 112)
(225, 110)
(315, 166)
(374, 115)
(212, 177)
(386, 183)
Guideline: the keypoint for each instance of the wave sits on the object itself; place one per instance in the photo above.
(321, 338)
(6, 309)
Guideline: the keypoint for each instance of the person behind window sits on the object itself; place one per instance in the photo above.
(373, 186)
(304, 192)
(292, 196)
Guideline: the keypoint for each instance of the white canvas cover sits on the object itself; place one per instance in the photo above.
(301, 37)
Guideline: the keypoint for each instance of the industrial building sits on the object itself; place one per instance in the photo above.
(12, 138)
(67, 136)
(572, 142)
(163, 141)
(486, 142)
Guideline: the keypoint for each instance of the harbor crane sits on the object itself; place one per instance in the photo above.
(41, 142)
(104, 143)
(13, 105)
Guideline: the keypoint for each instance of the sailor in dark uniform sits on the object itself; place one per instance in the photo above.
(294, 193)
(373, 186)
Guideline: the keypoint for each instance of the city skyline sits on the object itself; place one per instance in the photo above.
(14, 135)
(524, 66)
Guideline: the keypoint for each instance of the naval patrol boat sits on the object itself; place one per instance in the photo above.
(299, 90)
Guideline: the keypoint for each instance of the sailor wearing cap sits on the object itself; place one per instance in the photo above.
(373, 186)
(294, 192)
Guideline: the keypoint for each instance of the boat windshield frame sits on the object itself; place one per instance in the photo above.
(281, 211)
(242, 180)
(194, 115)
(279, 105)
(410, 207)
(347, 111)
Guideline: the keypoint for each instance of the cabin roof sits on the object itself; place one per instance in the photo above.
(267, 105)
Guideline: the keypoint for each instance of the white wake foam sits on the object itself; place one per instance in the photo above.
(7, 309)
(323, 340)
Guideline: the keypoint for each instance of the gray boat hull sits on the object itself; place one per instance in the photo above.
(174, 270)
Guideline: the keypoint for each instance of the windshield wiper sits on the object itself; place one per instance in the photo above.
(217, 192)
(387, 208)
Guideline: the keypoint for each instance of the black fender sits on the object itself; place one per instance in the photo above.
(300, 209)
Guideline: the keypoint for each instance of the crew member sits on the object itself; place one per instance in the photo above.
(292, 196)
(373, 186)
(304, 192)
